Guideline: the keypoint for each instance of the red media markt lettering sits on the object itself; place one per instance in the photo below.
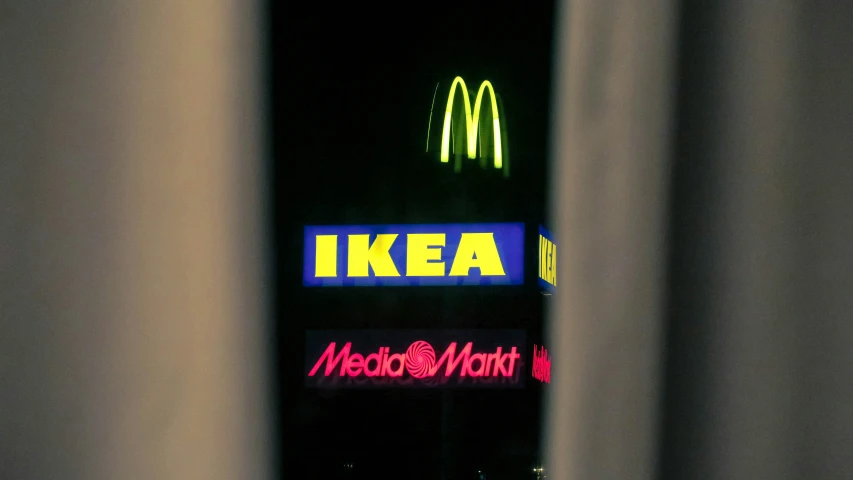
(419, 361)
(541, 364)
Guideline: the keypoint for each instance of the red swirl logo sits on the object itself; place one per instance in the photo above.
(420, 359)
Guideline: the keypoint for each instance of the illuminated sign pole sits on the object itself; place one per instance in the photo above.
(430, 255)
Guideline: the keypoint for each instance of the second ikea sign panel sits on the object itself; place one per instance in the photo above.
(414, 255)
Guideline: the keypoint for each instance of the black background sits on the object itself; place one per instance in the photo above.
(351, 87)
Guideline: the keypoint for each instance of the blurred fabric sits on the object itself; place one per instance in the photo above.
(132, 294)
(611, 148)
(704, 321)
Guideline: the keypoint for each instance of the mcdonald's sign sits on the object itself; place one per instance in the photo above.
(463, 131)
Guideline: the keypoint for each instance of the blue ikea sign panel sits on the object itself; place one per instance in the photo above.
(414, 255)
(547, 261)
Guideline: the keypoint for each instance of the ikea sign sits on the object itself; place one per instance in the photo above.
(547, 261)
(414, 255)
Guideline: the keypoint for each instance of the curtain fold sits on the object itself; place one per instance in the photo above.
(611, 159)
(132, 293)
(759, 365)
(703, 179)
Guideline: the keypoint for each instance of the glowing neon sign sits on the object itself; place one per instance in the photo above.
(472, 358)
(472, 130)
(547, 261)
(541, 364)
(414, 255)
(419, 361)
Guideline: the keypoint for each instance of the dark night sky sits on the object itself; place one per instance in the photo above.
(350, 93)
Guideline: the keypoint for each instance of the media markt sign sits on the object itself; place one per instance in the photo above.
(383, 358)
(541, 364)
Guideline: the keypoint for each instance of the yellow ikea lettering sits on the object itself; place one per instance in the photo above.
(477, 250)
(421, 249)
(326, 259)
(547, 260)
(377, 255)
(423, 255)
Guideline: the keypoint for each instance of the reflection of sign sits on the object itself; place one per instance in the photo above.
(547, 261)
(457, 254)
(541, 364)
(415, 359)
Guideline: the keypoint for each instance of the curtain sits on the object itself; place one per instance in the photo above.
(703, 327)
(132, 298)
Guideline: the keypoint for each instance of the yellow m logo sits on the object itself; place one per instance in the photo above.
(472, 123)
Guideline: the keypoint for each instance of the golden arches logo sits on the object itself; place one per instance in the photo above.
(472, 128)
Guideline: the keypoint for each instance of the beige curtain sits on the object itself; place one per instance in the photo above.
(611, 159)
(703, 327)
(132, 302)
